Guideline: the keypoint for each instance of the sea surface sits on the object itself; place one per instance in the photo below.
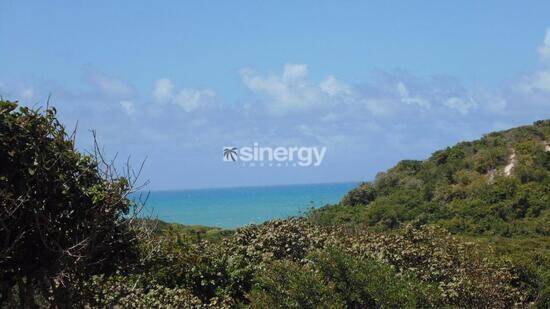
(234, 207)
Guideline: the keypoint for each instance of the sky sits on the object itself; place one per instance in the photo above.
(375, 82)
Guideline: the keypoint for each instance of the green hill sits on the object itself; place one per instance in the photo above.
(497, 185)
(493, 191)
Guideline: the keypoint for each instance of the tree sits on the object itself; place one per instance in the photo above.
(362, 195)
(64, 215)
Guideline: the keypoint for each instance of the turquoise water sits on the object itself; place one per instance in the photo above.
(234, 207)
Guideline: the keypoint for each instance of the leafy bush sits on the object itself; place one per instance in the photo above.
(432, 255)
(343, 215)
(288, 284)
(62, 218)
(362, 195)
(416, 267)
(124, 292)
(253, 247)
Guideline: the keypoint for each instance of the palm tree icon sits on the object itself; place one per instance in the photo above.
(230, 153)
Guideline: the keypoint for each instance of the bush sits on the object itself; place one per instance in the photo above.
(460, 270)
(362, 195)
(124, 292)
(332, 279)
(343, 215)
(368, 282)
(287, 284)
(62, 218)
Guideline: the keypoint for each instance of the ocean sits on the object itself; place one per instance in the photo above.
(235, 207)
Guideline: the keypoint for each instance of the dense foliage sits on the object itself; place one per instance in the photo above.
(61, 220)
(495, 190)
(466, 188)
(294, 263)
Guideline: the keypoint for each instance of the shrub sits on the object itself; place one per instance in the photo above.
(463, 275)
(368, 282)
(343, 215)
(62, 217)
(362, 195)
(333, 279)
(124, 292)
(287, 284)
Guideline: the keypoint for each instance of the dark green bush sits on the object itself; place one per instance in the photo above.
(287, 284)
(62, 218)
(362, 195)
(461, 270)
(368, 282)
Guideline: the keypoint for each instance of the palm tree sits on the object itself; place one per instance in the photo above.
(230, 153)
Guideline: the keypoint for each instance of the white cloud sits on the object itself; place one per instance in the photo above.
(294, 72)
(536, 85)
(538, 82)
(492, 101)
(379, 106)
(460, 104)
(496, 103)
(289, 92)
(111, 86)
(187, 98)
(128, 106)
(332, 86)
(544, 50)
(191, 99)
(163, 90)
(408, 99)
(292, 91)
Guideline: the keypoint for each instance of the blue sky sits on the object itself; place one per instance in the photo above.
(373, 81)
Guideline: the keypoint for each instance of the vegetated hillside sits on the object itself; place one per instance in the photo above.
(495, 191)
(497, 185)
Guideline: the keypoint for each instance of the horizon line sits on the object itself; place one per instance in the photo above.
(253, 186)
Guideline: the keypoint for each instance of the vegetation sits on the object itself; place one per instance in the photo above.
(293, 263)
(61, 215)
(455, 230)
(495, 190)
